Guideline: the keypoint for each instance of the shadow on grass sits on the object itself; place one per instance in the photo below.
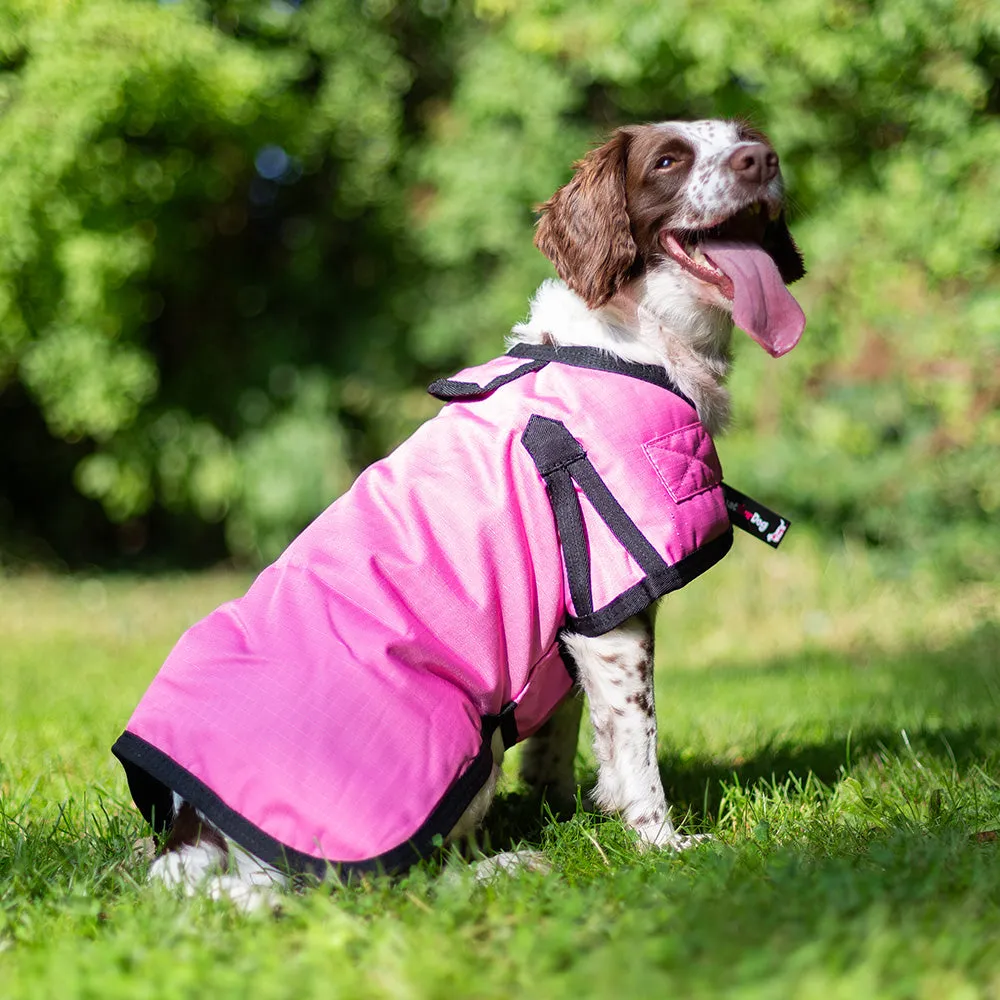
(696, 786)
(945, 699)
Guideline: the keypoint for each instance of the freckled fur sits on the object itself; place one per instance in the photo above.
(628, 779)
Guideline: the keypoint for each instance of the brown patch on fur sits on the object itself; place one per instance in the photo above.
(746, 132)
(654, 192)
(604, 741)
(656, 816)
(643, 701)
(584, 229)
(189, 828)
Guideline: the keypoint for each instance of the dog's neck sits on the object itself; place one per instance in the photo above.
(653, 321)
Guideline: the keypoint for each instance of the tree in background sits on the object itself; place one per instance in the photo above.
(199, 219)
(237, 238)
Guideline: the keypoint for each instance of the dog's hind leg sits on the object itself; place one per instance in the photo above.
(548, 756)
(616, 672)
(197, 858)
(192, 852)
(508, 862)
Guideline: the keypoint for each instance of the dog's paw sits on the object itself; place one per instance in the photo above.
(247, 897)
(685, 841)
(510, 863)
(665, 838)
(205, 869)
(185, 868)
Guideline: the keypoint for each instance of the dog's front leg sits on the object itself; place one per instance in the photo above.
(616, 672)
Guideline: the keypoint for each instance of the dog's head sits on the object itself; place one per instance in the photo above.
(703, 200)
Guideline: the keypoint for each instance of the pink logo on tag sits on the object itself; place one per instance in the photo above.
(778, 533)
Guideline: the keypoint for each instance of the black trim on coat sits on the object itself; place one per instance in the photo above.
(598, 360)
(449, 388)
(642, 594)
(561, 461)
(506, 722)
(152, 776)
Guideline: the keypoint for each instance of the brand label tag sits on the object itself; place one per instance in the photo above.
(754, 518)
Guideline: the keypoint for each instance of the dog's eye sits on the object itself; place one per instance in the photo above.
(665, 162)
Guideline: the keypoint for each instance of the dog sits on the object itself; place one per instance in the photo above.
(351, 712)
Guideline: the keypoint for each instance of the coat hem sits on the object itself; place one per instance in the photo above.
(642, 594)
(152, 776)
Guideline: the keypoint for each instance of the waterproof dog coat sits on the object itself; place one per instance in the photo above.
(343, 710)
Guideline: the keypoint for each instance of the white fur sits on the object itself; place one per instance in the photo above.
(673, 321)
(710, 196)
(237, 876)
(616, 672)
(561, 318)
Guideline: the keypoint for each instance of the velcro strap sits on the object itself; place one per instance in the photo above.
(448, 389)
(505, 722)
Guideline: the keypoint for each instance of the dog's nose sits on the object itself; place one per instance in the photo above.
(756, 163)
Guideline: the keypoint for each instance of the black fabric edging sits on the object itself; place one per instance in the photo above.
(598, 360)
(153, 775)
(639, 597)
(449, 389)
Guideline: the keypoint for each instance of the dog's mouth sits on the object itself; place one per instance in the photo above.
(730, 255)
(687, 246)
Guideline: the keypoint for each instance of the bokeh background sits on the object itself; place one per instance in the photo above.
(237, 239)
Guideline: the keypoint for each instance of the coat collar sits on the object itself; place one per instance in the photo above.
(595, 358)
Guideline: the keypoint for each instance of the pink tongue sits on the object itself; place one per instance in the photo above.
(761, 304)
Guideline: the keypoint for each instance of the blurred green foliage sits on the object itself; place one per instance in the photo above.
(237, 238)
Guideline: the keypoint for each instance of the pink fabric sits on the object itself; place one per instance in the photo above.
(335, 704)
(685, 461)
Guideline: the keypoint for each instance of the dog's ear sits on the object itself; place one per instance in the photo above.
(584, 229)
(781, 247)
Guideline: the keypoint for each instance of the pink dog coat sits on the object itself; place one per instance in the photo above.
(342, 711)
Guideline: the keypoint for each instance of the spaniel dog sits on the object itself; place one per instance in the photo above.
(351, 711)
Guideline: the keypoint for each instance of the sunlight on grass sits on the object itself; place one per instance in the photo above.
(76, 655)
(836, 731)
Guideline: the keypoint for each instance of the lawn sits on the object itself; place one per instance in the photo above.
(835, 728)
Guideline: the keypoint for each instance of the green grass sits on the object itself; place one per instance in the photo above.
(837, 732)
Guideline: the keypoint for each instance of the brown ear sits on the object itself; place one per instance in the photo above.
(584, 229)
(781, 247)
